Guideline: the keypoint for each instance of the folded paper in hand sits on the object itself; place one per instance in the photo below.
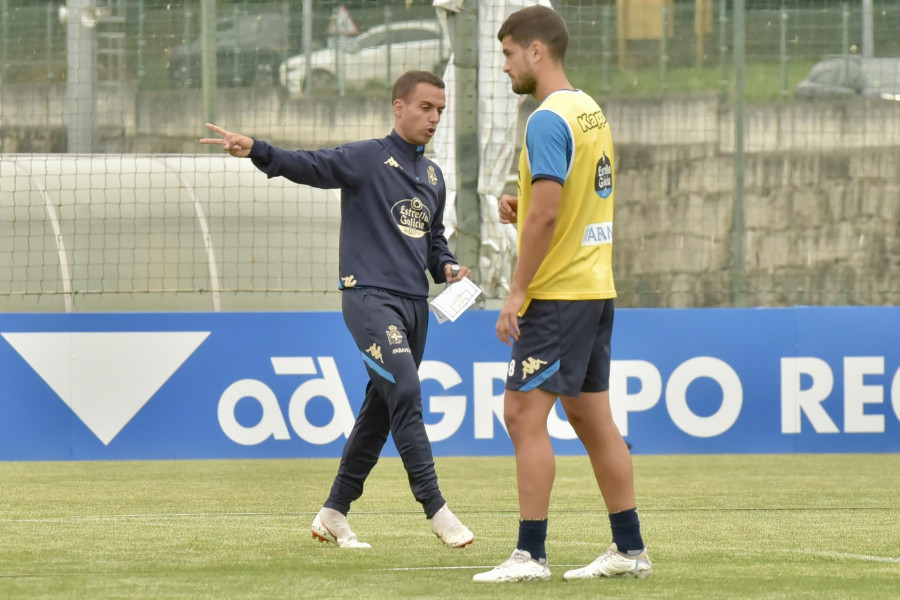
(455, 299)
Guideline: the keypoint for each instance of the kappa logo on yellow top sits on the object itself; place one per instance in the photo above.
(530, 366)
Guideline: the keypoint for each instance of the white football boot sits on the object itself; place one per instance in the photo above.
(331, 526)
(613, 563)
(518, 567)
(450, 529)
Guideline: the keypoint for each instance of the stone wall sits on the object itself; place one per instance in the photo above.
(821, 227)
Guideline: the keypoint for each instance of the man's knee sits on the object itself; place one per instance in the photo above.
(524, 415)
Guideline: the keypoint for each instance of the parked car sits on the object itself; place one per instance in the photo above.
(249, 50)
(852, 76)
(380, 55)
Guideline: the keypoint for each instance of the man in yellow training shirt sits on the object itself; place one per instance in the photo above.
(559, 313)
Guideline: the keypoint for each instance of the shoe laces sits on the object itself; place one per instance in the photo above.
(523, 556)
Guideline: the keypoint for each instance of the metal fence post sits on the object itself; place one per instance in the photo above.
(141, 43)
(307, 46)
(845, 28)
(845, 40)
(663, 43)
(236, 59)
(723, 51)
(738, 221)
(286, 33)
(868, 40)
(81, 75)
(4, 39)
(49, 33)
(783, 22)
(208, 76)
(463, 30)
(604, 27)
(387, 22)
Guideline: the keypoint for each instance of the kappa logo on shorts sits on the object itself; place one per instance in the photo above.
(530, 366)
(393, 335)
(375, 352)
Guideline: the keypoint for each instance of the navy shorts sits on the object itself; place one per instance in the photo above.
(563, 347)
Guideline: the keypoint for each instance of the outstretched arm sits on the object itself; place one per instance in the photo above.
(234, 144)
(320, 168)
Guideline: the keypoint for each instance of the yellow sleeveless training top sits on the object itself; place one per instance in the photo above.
(567, 139)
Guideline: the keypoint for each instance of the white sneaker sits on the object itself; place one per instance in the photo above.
(613, 563)
(452, 532)
(331, 526)
(518, 567)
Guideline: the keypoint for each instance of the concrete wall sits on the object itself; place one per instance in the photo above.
(822, 182)
(822, 228)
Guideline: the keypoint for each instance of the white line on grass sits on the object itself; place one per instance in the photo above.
(149, 516)
(860, 557)
(455, 568)
(827, 554)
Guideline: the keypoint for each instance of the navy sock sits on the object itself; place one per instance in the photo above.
(626, 530)
(532, 535)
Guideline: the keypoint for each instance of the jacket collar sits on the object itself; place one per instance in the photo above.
(411, 151)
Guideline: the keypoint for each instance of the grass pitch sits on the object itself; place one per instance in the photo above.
(718, 527)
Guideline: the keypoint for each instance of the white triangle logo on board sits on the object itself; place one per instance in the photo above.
(106, 377)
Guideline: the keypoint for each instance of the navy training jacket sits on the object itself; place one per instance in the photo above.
(392, 208)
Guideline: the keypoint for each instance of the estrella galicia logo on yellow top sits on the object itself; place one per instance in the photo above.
(603, 179)
(412, 217)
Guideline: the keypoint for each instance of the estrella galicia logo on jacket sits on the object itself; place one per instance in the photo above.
(412, 217)
(603, 182)
(530, 366)
(432, 176)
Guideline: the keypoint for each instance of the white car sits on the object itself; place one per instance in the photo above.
(380, 54)
(852, 76)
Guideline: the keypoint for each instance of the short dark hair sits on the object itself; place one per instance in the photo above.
(406, 83)
(537, 23)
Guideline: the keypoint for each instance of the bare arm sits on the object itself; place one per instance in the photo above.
(536, 235)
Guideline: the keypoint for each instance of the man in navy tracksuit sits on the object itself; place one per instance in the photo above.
(392, 231)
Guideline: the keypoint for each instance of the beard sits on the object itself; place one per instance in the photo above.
(525, 84)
